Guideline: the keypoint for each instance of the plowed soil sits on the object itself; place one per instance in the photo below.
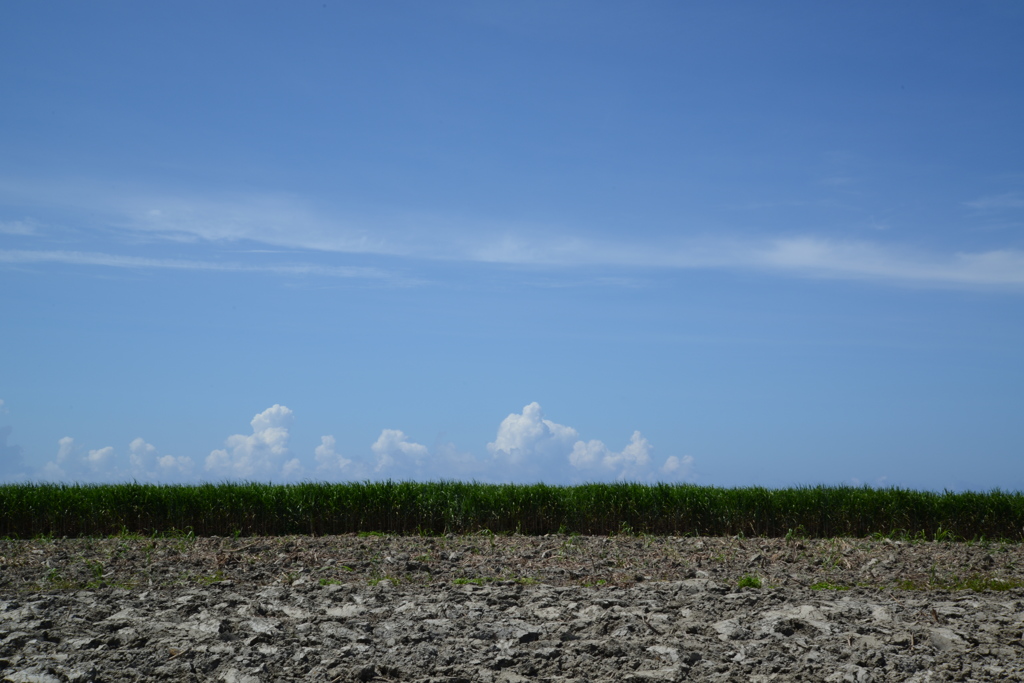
(509, 608)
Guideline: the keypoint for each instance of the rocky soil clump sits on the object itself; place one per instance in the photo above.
(509, 608)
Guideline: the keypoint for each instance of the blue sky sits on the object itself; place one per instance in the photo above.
(728, 244)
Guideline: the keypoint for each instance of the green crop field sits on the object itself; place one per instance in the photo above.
(248, 509)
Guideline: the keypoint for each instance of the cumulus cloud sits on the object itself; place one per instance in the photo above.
(677, 468)
(141, 462)
(539, 448)
(393, 448)
(329, 462)
(634, 462)
(147, 466)
(56, 470)
(629, 463)
(11, 463)
(292, 470)
(170, 465)
(99, 458)
(529, 435)
(260, 454)
(527, 447)
(140, 454)
(65, 447)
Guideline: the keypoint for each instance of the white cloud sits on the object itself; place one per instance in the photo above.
(174, 466)
(56, 470)
(288, 222)
(276, 219)
(285, 221)
(91, 258)
(527, 447)
(801, 256)
(798, 256)
(393, 448)
(1007, 200)
(866, 261)
(633, 462)
(12, 465)
(255, 455)
(292, 470)
(140, 454)
(528, 435)
(629, 463)
(329, 462)
(2, 408)
(677, 468)
(105, 465)
(65, 447)
(17, 228)
(99, 458)
(144, 464)
(51, 471)
(535, 447)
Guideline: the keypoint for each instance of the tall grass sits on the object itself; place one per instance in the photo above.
(28, 510)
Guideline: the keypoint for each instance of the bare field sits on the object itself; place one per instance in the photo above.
(509, 608)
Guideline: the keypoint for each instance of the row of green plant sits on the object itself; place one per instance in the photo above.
(30, 510)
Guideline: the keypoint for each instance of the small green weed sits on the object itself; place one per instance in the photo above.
(749, 581)
(216, 577)
(828, 586)
(185, 538)
(54, 579)
(476, 581)
(483, 580)
(95, 568)
(125, 535)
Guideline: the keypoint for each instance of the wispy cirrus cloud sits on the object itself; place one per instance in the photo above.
(798, 256)
(92, 258)
(286, 222)
(869, 261)
(995, 202)
(17, 228)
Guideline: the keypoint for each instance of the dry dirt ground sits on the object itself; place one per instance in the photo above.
(509, 608)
